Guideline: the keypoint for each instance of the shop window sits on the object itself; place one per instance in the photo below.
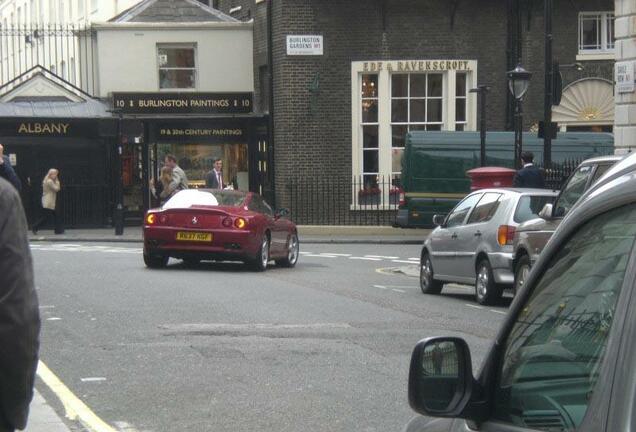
(460, 102)
(370, 142)
(177, 68)
(596, 32)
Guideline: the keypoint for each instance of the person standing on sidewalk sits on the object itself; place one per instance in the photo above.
(179, 177)
(529, 176)
(50, 187)
(19, 313)
(6, 170)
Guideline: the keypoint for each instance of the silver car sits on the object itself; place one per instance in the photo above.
(473, 243)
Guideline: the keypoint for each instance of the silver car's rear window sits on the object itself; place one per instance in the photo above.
(529, 207)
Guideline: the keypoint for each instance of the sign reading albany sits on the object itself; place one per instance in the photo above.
(183, 103)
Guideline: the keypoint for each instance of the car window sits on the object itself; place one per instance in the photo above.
(529, 206)
(459, 213)
(485, 208)
(572, 191)
(267, 209)
(555, 349)
(258, 205)
(600, 170)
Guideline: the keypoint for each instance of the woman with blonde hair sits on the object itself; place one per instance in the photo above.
(50, 187)
(164, 188)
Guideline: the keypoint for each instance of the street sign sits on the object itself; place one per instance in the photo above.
(624, 77)
(304, 45)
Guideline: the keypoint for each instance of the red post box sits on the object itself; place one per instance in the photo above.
(490, 177)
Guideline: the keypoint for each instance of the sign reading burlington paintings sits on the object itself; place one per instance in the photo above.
(210, 132)
(183, 103)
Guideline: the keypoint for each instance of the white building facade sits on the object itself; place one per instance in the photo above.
(625, 33)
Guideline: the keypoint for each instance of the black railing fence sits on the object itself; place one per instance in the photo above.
(84, 205)
(558, 173)
(331, 201)
(360, 201)
(66, 50)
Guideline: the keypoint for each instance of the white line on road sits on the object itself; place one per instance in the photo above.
(321, 256)
(93, 379)
(403, 261)
(381, 257)
(365, 258)
(499, 312)
(53, 319)
(474, 306)
(398, 290)
(337, 254)
(382, 287)
(414, 259)
(47, 307)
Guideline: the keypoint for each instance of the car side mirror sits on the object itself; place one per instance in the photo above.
(281, 213)
(546, 212)
(441, 377)
(438, 220)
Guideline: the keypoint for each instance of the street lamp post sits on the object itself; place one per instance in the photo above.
(518, 81)
(481, 90)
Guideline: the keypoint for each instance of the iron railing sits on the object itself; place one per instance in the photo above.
(83, 206)
(558, 173)
(67, 51)
(331, 201)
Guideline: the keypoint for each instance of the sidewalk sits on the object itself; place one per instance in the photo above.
(42, 418)
(306, 233)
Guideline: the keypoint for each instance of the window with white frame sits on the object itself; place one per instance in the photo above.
(596, 32)
(394, 99)
(177, 67)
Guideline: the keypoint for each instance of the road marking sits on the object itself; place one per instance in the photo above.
(47, 307)
(398, 290)
(54, 319)
(73, 406)
(93, 379)
(365, 258)
(414, 259)
(321, 256)
(337, 254)
(404, 262)
(380, 287)
(498, 311)
(474, 306)
(381, 257)
(306, 253)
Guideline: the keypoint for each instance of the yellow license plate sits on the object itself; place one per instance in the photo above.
(194, 236)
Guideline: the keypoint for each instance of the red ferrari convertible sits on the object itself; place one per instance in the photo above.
(198, 224)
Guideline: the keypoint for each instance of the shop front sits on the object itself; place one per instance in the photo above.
(197, 128)
(80, 148)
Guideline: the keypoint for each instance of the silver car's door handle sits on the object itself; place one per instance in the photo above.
(477, 234)
(454, 236)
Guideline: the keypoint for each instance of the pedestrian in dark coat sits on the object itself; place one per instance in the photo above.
(529, 176)
(19, 314)
(6, 170)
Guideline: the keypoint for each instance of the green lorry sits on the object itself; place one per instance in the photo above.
(434, 165)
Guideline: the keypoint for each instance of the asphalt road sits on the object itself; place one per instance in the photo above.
(321, 347)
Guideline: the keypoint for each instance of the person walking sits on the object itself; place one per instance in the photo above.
(6, 170)
(179, 177)
(163, 188)
(50, 187)
(214, 178)
(19, 313)
(529, 176)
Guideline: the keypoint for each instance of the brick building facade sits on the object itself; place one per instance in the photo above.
(324, 127)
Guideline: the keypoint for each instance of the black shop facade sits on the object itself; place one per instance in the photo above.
(196, 128)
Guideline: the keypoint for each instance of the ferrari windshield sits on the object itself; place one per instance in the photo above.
(204, 197)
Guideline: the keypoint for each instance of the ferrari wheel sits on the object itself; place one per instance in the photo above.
(155, 260)
(262, 257)
(293, 250)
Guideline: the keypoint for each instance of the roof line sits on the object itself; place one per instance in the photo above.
(132, 11)
(211, 10)
(42, 71)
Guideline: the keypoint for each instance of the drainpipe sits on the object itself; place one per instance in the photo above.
(270, 68)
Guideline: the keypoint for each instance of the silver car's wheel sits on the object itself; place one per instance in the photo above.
(293, 250)
(428, 284)
(486, 290)
(521, 273)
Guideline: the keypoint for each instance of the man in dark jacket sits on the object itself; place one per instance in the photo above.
(529, 176)
(6, 170)
(19, 313)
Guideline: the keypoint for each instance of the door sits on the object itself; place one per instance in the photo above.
(445, 243)
(558, 359)
(474, 232)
